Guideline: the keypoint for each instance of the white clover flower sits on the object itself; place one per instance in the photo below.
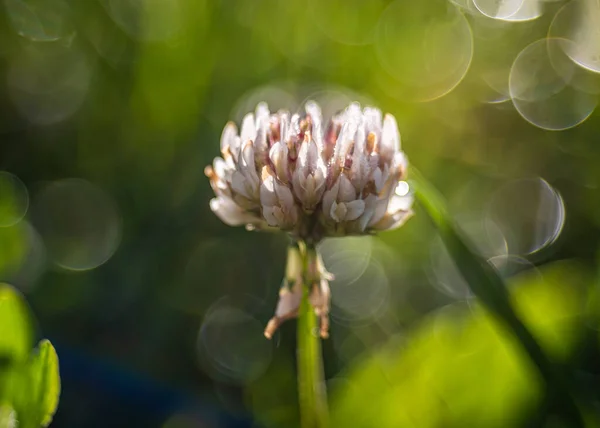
(293, 173)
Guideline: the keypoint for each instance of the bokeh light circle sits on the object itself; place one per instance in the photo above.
(39, 20)
(529, 212)
(13, 249)
(346, 258)
(426, 50)
(231, 344)
(508, 266)
(48, 83)
(33, 264)
(331, 99)
(487, 240)
(564, 54)
(277, 96)
(79, 222)
(14, 199)
(579, 23)
(360, 289)
(541, 96)
(509, 10)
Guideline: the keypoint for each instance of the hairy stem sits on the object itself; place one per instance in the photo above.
(311, 385)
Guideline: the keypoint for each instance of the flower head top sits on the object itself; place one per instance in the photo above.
(310, 178)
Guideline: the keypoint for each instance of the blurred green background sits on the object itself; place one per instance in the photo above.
(109, 111)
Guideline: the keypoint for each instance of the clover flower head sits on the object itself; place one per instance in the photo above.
(312, 179)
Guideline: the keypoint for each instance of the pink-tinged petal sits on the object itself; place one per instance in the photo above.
(302, 166)
(298, 182)
(238, 184)
(294, 126)
(338, 211)
(367, 215)
(355, 209)
(378, 179)
(248, 132)
(262, 114)
(279, 156)
(380, 210)
(344, 143)
(220, 167)
(248, 168)
(360, 163)
(390, 138)
(316, 117)
(230, 213)
(347, 190)
(267, 212)
(400, 164)
(373, 120)
(281, 216)
(330, 196)
(312, 157)
(228, 136)
(285, 195)
(284, 125)
(262, 126)
(268, 196)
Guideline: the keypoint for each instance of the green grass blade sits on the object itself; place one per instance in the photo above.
(489, 288)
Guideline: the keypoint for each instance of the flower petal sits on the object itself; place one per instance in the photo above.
(330, 196)
(228, 136)
(390, 138)
(347, 190)
(355, 209)
(248, 132)
(230, 213)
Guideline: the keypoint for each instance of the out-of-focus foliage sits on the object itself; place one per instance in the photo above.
(462, 367)
(29, 381)
(15, 326)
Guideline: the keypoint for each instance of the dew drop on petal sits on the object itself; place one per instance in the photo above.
(402, 189)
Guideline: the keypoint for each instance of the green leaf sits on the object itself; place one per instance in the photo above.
(461, 367)
(44, 383)
(15, 325)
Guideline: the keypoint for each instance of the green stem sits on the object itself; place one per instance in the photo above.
(311, 385)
